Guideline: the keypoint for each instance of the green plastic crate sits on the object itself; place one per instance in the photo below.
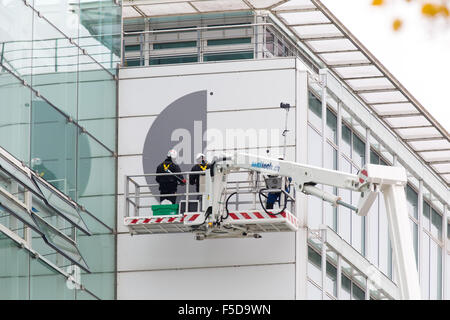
(165, 209)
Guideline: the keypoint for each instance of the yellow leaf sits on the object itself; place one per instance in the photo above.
(397, 24)
(429, 9)
(444, 10)
(377, 2)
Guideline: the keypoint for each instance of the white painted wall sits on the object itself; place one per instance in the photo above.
(246, 94)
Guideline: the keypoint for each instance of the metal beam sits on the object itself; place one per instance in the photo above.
(357, 261)
(412, 127)
(316, 38)
(374, 90)
(399, 115)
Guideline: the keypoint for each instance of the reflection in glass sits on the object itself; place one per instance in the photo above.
(315, 111)
(61, 243)
(331, 279)
(69, 211)
(314, 266)
(14, 273)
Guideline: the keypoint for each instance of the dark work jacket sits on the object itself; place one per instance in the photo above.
(195, 178)
(169, 183)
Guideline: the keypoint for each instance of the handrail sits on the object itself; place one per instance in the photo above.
(296, 50)
(238, 26)
(243, 187)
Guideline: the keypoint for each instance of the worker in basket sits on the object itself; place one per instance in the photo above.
(202, 165)
(275, 182)
(168, 184)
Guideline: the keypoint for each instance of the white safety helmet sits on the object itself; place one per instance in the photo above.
(36, 162)
(200, 157)
(172, 154)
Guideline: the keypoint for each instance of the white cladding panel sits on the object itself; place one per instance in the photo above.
(230, 91)
(267, 282)
(170, 251)
(244, 96)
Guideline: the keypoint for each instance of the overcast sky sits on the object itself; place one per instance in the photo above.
(418, 55)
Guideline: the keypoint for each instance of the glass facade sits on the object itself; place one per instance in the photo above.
(201, 38)
(368, 235)
(58, 116)
(58, 91)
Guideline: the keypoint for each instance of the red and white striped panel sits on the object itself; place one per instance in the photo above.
(187, 219)
(130, 221)
(254, 216)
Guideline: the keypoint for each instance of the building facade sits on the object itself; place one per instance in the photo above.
(58, 117)
(99, 94)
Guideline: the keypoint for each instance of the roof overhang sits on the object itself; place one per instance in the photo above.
(326, 37)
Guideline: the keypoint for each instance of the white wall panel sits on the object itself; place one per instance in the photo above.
(132, 134)
(231, 91)
(253, 282)
(149, 252)
(250, 128)
(241, 95)
(129, 165)
(211, 67)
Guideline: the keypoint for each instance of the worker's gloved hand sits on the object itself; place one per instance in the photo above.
(183, 182)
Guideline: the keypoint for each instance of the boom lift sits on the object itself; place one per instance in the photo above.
(216, 220)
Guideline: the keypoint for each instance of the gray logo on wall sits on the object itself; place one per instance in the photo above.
(186, 114)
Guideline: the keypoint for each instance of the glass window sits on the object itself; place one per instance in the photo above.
(53, 147)
(228, 56)
(357, 293)
(132, 62)
(133, 47)
(47, 284)
(314, 266)
(331, 279)
(14, 272)
(173, 60)
(55, 64)
(315, 111)
(448, 233)
(63, 207)
(331, 127)
(61, 243)
(345, 214)
(330, 157)
(373, 244)
(314, 148)
(100, 30)
(436, 224)
(315, 204)
(425, 266)
(359, 149)
(435, 271)
(414, 232)
(222, 42)
(385, 249)
(426, 215)
(330, 211)
(346, 288)
(412, 199)
(96, 105)
(15, 119)
(100, 284)
(270, 42)
(174, 45)
(374, 158)
(330, 163)
(346, 147)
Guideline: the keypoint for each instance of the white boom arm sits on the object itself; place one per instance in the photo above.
(370, 180)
